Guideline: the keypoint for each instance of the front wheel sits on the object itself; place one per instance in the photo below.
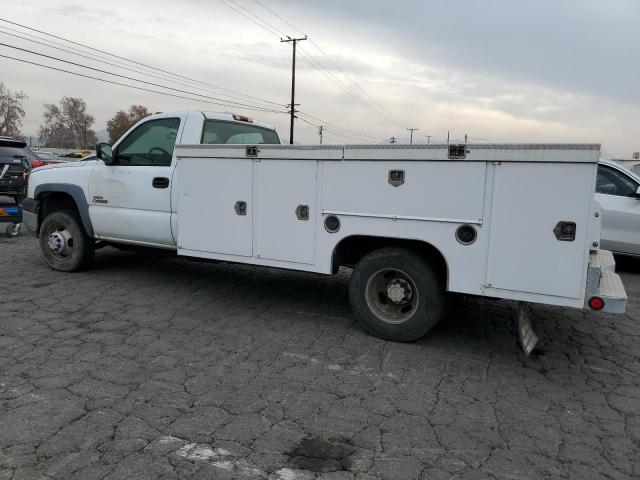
(64, 243)
(396, 294)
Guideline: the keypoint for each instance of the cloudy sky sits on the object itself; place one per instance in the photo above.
(505, 71)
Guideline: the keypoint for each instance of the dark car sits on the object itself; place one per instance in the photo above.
(15, 159)
(47, 158)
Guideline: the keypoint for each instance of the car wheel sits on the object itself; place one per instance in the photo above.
(396, 294)
(13, 230)
(64, 243)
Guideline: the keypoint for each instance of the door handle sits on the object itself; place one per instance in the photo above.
(160, 182)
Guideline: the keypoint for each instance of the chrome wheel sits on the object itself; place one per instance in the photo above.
(392, 295)
(60, 242)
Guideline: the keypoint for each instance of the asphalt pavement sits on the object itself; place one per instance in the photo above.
(165, 368)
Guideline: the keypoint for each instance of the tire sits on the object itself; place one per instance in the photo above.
(12, 230)
(65, 245)
(396, 294)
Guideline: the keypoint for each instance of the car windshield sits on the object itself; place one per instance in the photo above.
(15, 152)
(221, 132)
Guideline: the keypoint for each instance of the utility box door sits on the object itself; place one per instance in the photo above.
(286, 210)
(211, 216)
(529, 200)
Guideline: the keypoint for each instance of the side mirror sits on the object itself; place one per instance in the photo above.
(26, 164)
(105, 153)
(637, 194)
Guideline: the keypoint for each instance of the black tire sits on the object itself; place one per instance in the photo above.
(75, 249)
(396, 294)
(12, 230)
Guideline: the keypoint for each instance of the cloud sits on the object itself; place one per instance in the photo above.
(497, 69)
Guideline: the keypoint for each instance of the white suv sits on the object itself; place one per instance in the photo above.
(618, 195)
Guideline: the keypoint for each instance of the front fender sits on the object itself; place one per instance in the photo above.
(76, 192)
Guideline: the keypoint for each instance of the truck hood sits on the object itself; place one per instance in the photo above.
(65, 165)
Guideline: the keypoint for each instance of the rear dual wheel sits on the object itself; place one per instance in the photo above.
(396, 294)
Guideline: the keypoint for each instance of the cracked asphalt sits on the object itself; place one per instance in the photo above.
(166, 368)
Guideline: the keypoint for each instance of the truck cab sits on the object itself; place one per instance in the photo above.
(125, 196)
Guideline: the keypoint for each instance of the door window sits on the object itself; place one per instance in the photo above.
(613, 182)
(151, 144)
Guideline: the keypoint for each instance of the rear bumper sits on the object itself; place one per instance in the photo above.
(30, 215)
(604, 283)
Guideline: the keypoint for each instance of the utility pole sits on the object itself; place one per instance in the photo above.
(447, 137)
(428, 137)
(412, 130)
(320, 129)
(293, 82)
(392, 140)
(465, 138)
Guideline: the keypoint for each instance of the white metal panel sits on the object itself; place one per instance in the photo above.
(281, 186)
(545, 153)
(528, 201)
(431, 190)
(208, 192)
(289, 152)
(478, 152)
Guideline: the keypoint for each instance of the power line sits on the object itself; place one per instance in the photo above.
(228, 103)
(133, 61)
(335, 126)
(378, 108)
(334, 132)
(113, 82)
(270, 29)
(281, 18)
(250, 17)
(127, 68)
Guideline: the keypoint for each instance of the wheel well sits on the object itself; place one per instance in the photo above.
(351, 249)
(54, 201)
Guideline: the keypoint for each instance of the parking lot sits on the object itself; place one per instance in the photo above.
(150, 367)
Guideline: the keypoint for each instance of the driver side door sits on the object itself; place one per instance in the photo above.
(130, 200)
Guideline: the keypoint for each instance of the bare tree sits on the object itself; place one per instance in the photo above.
(123, 121)
(68, 125)
(11, 112)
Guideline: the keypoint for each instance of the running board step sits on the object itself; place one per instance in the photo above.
(611, 290)
(602, 259)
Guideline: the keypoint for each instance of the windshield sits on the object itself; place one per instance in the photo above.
(14, 152)
(221, 132)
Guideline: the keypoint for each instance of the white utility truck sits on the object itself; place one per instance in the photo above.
(414, 222)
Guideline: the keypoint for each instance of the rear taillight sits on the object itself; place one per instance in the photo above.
(36, 163)
(596, 303)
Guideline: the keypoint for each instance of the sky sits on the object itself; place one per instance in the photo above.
(495, 70)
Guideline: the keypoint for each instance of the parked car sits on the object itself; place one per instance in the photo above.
(618, 194)
(15, 160)
(46, 158)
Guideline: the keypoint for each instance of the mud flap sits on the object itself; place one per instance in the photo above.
(526, 335)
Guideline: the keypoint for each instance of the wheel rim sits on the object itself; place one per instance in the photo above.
(392, 295)
(60, 242)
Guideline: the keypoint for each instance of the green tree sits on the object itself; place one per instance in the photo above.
(11, 112)
(123, 121)
(68, 125)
